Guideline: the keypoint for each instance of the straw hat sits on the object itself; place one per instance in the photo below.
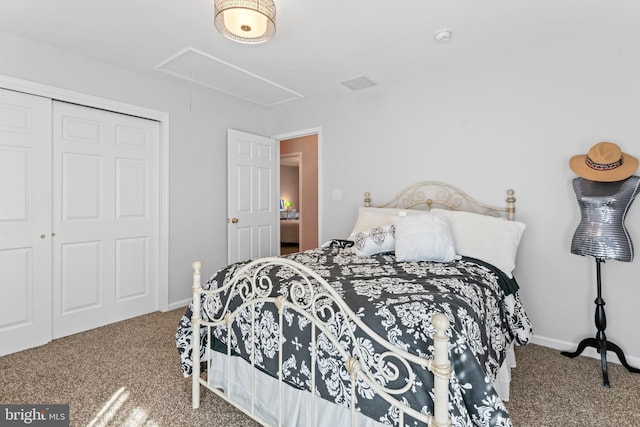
(605, 162)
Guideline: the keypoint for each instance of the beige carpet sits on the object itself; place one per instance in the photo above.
(559, 391)
(128, 374)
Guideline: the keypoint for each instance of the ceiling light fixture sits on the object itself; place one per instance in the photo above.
(246, 21)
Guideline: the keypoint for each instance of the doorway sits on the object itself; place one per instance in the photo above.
(290, 202)
(299, 193)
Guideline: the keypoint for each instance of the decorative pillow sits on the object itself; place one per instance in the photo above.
(369, 218)
(375, 241)
(423, 237)
(490, 239)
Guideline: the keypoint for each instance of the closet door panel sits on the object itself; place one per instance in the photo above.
(25, 221)
(105, 195)
(81, 187)
(132, 198)
(15, 171)
(131, 268)
(16, 306)
(81, 268)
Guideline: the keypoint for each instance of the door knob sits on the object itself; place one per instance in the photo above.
(42, 236)
(234, 220)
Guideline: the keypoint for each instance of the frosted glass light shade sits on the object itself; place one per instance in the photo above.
(246, 21)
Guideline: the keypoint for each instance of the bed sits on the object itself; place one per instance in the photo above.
(383, 328)
(289, 231)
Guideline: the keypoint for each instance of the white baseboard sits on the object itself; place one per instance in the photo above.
(589, 351)
(179, 304)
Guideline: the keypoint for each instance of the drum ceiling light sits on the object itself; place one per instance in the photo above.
(246, 21)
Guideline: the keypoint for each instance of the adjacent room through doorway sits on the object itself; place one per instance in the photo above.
(299, 194)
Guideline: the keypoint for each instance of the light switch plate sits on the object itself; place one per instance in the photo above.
(336, 194)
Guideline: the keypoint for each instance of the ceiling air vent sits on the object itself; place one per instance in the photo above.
(359, 83)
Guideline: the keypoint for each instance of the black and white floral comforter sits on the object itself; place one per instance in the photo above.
(396, 300)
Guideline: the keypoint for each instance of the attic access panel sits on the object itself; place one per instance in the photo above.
(200, 68)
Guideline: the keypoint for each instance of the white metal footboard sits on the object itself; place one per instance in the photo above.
(253, 285)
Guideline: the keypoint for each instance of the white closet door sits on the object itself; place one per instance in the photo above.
(25, 216)
(105, 217)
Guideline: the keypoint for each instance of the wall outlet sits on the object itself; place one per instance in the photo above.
(336, 194)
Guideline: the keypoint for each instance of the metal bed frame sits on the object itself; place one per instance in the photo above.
(321, 305)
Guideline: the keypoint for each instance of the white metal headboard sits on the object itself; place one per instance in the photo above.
(429, 194)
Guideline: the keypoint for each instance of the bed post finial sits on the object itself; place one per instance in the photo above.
(367, 199)
(196, 265)
(511, 205)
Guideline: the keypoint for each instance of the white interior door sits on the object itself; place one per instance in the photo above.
(252, 196)
(105, 217)
(25, 221)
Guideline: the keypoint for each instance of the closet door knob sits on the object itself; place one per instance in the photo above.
(234, 220)
(53, 234)
(42, 236)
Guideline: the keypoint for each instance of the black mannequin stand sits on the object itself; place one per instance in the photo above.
(600, 342)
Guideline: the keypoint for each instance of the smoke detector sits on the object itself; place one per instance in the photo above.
(443, 36)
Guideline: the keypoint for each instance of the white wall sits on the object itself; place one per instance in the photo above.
(485, 128)
(197, 146)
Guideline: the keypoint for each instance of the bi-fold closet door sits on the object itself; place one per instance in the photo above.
(79, 218)
(25, 221)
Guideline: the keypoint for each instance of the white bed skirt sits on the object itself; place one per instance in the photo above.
(502, 384)
(299, 405)
(296, 404)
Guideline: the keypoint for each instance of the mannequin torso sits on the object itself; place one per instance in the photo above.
(603, 207)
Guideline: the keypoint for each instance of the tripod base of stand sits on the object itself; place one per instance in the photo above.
(602, 346)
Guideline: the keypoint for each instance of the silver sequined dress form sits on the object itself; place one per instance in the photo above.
(603, 207)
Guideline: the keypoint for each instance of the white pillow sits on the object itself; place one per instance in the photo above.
(490, 239)
(369, 218)
(375, 241)
(423, 237)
